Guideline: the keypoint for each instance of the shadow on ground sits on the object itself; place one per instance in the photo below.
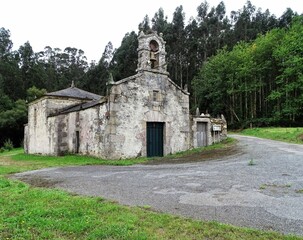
(205, 155)
(37, 181)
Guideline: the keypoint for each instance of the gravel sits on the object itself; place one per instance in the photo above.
(258, 187)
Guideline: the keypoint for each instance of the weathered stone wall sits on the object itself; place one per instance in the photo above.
(144, 61)
(25, 141)
(90, 123)
(38, 127)
(143, 98)
(91, 129)
(219, 123)
(117, 128)
(42, 132)
(216, 129)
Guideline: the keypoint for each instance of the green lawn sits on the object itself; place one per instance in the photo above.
(291, 135)
(40, 213)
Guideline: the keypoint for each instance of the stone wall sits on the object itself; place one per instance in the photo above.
(216, 129)
(146, 97)
(219, 129)
(25, 141)
(37, 127)
(42, 131)
(116, 128)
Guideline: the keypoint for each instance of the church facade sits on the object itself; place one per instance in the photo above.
(143, 115)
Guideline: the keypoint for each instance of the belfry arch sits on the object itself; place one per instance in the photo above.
(151, 53)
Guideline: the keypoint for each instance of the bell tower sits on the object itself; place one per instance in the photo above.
(151, 53)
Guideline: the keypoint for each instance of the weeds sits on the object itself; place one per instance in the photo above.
(251, 162)
(8, 145)
(264, 186)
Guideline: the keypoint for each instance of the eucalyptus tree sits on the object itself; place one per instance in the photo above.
(175, 48)
(125, 58)
(48, 59)
(159, 22)
(286, 19)
(6, 43)
(32, 70)
(145, 24)
(192, 52)
(75, 66)
(98, 74)
(10, 75)
(203, 29)
(243, 23)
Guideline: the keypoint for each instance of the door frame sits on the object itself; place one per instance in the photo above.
(155, 136)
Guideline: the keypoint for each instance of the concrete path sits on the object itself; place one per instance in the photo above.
(260, 187)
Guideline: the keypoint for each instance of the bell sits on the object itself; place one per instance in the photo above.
(152, 57)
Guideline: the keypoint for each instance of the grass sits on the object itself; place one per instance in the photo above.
(221, 145)
(251, 162)
(17, 161)
(264, 186)
(50, 161)
(40, 213)
(291, 135)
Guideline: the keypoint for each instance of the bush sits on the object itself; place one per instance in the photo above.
(8, 145)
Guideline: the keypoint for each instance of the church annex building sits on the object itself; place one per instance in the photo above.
(143, 115)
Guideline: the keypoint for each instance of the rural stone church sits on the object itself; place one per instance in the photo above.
(143, 115)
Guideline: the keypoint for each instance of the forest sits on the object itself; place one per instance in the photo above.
(246, 64)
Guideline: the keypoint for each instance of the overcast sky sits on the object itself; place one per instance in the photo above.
(89, 25)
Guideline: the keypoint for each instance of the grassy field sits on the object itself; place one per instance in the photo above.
(291, 135)
(41, 213)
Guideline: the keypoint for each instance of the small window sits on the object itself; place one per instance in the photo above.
(35, 116)
(155, 96)
(77, 141)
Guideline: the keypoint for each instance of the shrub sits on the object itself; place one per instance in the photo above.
(8, 145)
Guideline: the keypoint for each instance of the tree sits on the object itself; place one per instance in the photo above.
(290, 82)
(286, 18)
(74, 66)
(34, 93)
(32, 71)
(97, 75)
(5, 43)
(159, 22)
(145, 24)
(125, 58)
(175, 47)
(12, 121)
(256, 83)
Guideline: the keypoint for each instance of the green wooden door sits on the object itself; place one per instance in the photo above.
(154, 137)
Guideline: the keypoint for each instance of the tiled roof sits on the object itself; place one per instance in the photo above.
(81, 106)
(74, 92)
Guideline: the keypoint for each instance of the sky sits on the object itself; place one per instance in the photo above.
(89, 25)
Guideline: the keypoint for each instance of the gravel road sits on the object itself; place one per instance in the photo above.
(260, 187)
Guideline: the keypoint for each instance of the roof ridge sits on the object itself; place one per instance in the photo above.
(75, 93)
